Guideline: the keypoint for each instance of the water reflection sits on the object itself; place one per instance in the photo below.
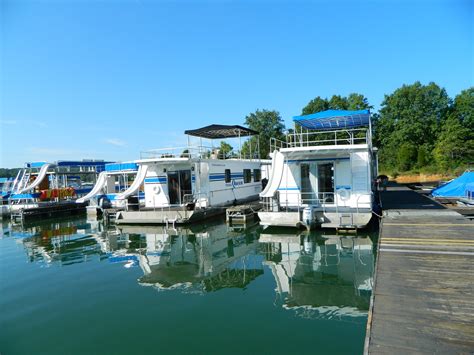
(206, 258)
(315, 275)
(321, 275)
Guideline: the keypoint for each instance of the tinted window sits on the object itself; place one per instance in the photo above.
(257, 175)
(247, 176)
(227, 175)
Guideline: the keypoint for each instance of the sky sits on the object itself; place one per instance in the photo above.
(109, 79)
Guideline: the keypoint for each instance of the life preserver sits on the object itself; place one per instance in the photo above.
(344, 194)
(156, 189)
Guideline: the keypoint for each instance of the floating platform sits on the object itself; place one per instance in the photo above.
(242, 214)
(173, 215)
(423, 297)
(49, 210)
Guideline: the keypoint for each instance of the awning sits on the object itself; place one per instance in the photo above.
(217, 131)
(334, 119)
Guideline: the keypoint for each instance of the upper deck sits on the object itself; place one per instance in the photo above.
(330, 130)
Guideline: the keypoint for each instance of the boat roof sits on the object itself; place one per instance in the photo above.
(218, 131)
(334, 119)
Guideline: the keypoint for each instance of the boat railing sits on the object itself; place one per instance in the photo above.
(320, 138)
(297, 201)
(200, 199)
(196, 152)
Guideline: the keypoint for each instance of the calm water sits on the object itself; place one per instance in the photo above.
(75, 287)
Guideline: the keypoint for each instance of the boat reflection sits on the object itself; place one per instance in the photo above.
(321, 276)
(206, 258)
(317, 276)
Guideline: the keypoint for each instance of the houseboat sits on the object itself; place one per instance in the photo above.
(322, 174)
(43, 189)
(117, 187)
(188, 184)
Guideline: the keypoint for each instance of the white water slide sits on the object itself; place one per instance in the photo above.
(100, 183)
(276, 174)
(39, 178)
(141, 174)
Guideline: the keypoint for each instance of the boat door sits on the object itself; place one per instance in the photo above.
(179, 185)
(326, 182)
(308, 183)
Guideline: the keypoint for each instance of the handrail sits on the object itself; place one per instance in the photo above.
(195, 152)
(312, 138)
(298, 200)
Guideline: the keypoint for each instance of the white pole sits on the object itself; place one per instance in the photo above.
(240, 146)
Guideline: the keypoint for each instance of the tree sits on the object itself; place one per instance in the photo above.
(406, 156)
(338, 102)
(358, 102)
(269, 124)
(455, 144)
(352, 102)
(411, 115)
(463, 108)
(185, 153)
(315, 105)
(225, 149)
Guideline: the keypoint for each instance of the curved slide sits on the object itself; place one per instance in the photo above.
(141, 174)
(276, 174)
(100, 183)
(38, 180)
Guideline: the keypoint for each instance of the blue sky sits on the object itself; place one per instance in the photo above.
(108, 79)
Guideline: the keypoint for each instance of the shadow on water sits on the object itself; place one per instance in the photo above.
(318, 274)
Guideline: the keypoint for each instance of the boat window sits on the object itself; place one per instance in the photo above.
(227, 175)
(247, 176)
(257, 175)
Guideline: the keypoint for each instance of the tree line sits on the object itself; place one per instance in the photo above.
(418, 128)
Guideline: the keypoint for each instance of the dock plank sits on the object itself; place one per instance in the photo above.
(423, 298)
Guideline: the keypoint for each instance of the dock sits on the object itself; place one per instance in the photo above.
(242, 214)
(423, 297)
(49, 210)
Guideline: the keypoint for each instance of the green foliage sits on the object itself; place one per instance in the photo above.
(423, 156)
(411, 116)
(463, 108)
(185, 153)
(269, 124)
(406, 156)
(352, 102)
(9, 173)
(316, 105)
(455, 144)
(225, 149)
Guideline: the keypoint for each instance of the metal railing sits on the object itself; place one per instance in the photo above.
(297, 201)
(196, 152)
(319, 138)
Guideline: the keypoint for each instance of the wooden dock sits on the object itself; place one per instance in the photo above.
(423, 297)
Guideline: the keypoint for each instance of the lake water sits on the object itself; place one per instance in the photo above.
(77, 287)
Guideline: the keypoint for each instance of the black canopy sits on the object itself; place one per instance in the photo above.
(219, 131)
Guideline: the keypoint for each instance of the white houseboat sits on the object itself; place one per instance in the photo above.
(188, 184)
(43, 189)
(322, 175)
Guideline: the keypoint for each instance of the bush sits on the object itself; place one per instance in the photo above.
(406, 156)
